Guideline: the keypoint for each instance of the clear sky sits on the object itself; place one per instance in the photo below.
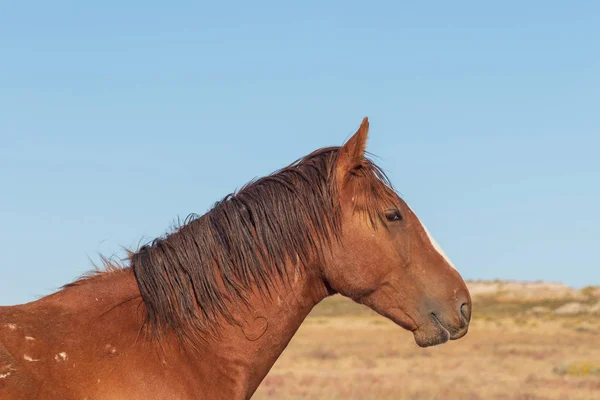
(118, 117)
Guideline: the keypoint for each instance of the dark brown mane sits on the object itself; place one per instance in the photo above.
(193, 276)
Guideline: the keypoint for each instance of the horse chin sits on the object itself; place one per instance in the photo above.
(431, 334)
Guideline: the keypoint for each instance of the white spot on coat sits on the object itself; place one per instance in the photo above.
(29, 338)
(5, 375)
(62, 356)
(28, 358)
(12, 327)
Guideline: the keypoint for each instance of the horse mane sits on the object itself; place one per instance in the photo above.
(191, 277)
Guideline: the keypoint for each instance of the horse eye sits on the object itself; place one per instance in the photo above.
(393, 215)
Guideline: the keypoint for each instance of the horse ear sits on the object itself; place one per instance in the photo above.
(352, 153)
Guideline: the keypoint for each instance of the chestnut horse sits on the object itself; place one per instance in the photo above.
(204, 312)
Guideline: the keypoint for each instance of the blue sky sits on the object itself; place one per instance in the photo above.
(118, 117)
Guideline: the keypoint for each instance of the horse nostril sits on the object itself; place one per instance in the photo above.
(465, 310)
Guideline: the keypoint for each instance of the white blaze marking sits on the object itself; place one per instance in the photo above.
(27, 358)
(434, 243)
(437, 247)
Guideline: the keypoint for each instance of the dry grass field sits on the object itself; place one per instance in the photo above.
(520, 346)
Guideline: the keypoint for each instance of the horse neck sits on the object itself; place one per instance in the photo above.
(267, 326)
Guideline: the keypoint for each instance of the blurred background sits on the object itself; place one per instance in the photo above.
(118, 118)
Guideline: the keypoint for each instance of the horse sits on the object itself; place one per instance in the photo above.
(204, 311)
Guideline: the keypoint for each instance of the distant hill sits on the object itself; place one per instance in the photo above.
(501, 299)
(531, 291)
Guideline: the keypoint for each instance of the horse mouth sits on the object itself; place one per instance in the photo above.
(434, 332)
(437, 321)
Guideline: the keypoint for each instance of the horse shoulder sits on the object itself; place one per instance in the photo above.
(16, 382)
